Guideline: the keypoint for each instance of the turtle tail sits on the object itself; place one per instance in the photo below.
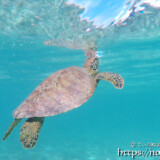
(30, 131)
(14, 124)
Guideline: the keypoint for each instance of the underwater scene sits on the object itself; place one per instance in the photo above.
(79, 80)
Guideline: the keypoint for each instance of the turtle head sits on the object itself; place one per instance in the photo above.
(92, 63)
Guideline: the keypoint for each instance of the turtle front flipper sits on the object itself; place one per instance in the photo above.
(114, 78)
(30, 131)
(14, 124)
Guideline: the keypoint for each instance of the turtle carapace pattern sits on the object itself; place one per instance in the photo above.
(61, 92)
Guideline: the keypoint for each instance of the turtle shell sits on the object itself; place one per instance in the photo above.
(62, 91)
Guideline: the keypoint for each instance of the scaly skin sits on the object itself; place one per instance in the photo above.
(30, 131)
(92, 62)
(92, 66)
(75, 86)
(14, 124)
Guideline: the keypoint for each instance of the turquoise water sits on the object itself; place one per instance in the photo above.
(111, 118)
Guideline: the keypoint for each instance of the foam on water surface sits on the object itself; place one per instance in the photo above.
(38, 38)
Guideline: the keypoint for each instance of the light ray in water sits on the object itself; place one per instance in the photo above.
(57, 23)
(128, 43)
(49, 20)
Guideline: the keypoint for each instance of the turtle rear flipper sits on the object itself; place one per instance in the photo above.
(30, 131)
(14, 124)
(114, 78)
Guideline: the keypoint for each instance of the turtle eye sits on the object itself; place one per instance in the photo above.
(91, 66)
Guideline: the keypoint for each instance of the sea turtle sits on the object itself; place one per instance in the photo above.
(61, 92)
